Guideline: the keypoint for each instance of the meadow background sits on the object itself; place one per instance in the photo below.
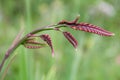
(97, 58)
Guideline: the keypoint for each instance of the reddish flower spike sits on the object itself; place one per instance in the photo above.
(32, 46)
(86, 27)
(71, 39)
(47, 39)
(35, 42)
(92, 29)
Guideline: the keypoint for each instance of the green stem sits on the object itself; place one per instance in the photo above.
(19, 42)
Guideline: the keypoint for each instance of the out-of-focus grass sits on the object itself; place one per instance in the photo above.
(97, 57)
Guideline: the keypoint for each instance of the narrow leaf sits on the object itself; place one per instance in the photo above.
(71, 39)
(47, 39)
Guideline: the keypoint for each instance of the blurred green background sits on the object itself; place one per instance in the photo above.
(97, 57)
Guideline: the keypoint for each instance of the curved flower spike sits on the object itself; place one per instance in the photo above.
(47, 39)
(86, 27)
(71, 39)
(32, 44)
(92, 29)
